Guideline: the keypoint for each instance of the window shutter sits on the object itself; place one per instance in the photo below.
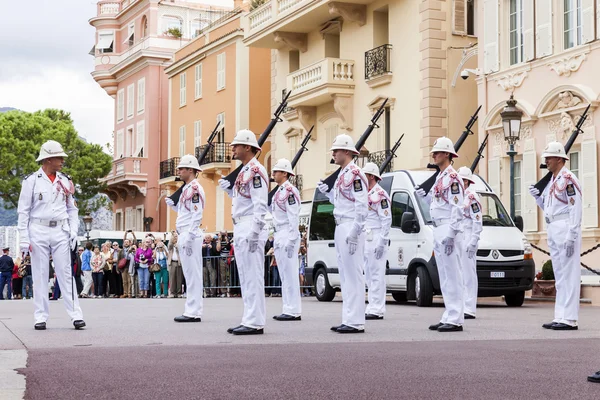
(543, 36)
(119, 147)
(181, 141)
(141, 95)
(490, 37)
(221, 71)
(528, 205)
(140, 139)
(589, 183)
(459, 14)
(182, 91)
(120, 104)
(197, 134)
(528, 34)
(198, 82)
(130, 100)
(587, 21)
(598, 19)
(494, 175)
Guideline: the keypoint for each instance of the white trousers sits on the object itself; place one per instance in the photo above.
(46, 241)
(251, 269)
(192, 270)
(567, 273)
(469, 272)
(352, 279)
(87, 282)
(451, 280)
(288, 272)
(375, 275)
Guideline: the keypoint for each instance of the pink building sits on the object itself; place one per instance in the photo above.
(135, 41)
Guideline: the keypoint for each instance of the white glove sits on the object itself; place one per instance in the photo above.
(420, 192)
(379, 252)
(224, 184)
(448, 245)
(323, 187)
(189, 244)
(289, 249)
(253, 244)
(352, 244)
(534, 191)
(73, 240)
(471, 250)
(169, 202)
(24, 247)
(570, 247)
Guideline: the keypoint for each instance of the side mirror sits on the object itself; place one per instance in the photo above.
(409, 223)
(519, 222)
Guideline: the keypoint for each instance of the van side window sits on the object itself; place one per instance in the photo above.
(401, 203)
(322, 223)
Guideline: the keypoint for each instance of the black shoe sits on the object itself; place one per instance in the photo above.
(594, 378)
(564, 327)
(373, 316)
(230, 330)
(349, 329)
(450, 328)
(183, 318)
(435, 327)
(287, 317)
(40, 326)
(244, 330)
(549, 325)
(79, 324)
(469, 316)
(335, 328)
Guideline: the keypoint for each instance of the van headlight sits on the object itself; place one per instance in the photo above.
(527, 250)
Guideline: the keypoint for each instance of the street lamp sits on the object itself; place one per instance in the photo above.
(511, 123)
(87, 222)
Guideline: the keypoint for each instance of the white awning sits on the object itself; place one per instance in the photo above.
(105, 42)
(128, 38)
(92, 51)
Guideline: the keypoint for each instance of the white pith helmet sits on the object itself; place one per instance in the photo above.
(51, 149)
(188, 161)
(372, 169)
(344, 142)
(465, 173)
(444, 145)
(555, 149)
(245, 137)
(284, 165)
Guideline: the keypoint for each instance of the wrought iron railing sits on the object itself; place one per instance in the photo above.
(218, 153)
(296, 180)
(378, 61)
(378, 157)
(168, 168)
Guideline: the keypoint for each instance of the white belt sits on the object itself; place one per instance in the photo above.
(279, 227)
(341, 220)
(441, 221)
(242, 219)
(48, 222)
(550, 219)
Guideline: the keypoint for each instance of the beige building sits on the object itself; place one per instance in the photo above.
(342, 59)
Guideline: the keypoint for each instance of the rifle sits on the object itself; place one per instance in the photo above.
(330, 180)
(428, 184)
(263, 138)
(479, 153)
(541, 185)
(175, 196)
(301, 150)
(390, 156)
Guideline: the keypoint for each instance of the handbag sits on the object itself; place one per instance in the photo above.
(123, 262)
(155, 267)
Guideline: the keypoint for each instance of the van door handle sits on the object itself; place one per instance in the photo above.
(331, 244)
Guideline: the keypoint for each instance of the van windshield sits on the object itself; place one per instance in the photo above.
(493, 212)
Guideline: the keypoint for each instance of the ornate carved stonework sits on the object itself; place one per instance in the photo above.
(526, 132)
(567, 100)
(308, 116)
(511, 81)
(350, 12)
(561, 126)
(567, 65)
(297, 41)
(343, 107)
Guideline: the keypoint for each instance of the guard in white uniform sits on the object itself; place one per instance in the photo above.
(48, 224)
(249, 207)
(285, 208)
(349, 197)
(472, 225)
(377, 230)
(561, 202)
(446, 209)
(189, 218)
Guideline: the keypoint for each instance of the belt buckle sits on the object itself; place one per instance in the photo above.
(52, 224)
(547, 220)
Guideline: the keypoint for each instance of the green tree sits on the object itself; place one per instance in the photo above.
(21, 136)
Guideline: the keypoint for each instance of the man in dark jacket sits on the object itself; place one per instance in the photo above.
(6, 269)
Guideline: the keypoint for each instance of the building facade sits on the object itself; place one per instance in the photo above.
(215, 78)
(545, 54)
(135, 40)
(341, 60)
(9, 237)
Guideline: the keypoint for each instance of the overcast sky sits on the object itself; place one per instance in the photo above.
(45, 62)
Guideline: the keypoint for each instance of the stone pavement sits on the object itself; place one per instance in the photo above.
(139, 352)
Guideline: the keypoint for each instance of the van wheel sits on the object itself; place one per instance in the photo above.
(323, 291)
(514, 299)
(423, 288)
(400, 297)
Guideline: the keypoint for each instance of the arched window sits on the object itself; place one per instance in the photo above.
(171, 23)
(144, 27)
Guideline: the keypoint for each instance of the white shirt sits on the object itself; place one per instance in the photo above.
(250, 194)
(43, 199)
(285, 208)
(473, 219)
(190, 208)
(448, 199)
(379, 215)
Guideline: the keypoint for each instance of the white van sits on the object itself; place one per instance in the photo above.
(505, 263)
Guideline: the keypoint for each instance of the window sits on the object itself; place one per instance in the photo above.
(221, 135)
(494, 213)
(141, 95)
(517, 185)
(170, 23)
(181, 141)
(144, 26)
(464, 17)
(139, 218)
(118, 225)
(197, 27)
(140, 139)
(574, 164)
(182, 92)
(516, 31)
(120, 104)
(105, 42)
(130, 39)
(322, 223)
(129, 218)
(198, 82)
(197, 134)
(293, 146)
(572, 23)
(130, 100)
(129, 142)
(294, 61)
(401, 203)
(119, 145)
(220, 71)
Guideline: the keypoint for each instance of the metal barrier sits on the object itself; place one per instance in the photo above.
(582, 254)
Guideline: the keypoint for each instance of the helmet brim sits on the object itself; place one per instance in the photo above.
(40, 158)
(283, 170)
(234, 143)
(353, 151)
(444, 151)
(564, 157)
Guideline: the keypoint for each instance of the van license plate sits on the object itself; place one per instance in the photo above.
(497, 274)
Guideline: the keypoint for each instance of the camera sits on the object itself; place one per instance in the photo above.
(464, 74)
(142, 257)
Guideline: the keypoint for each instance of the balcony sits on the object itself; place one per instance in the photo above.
(378, 68)
(315, 84)
(168, 168)
(218, 158)
(378, 157)
(126, 178)
(296, 180)
(110, 8)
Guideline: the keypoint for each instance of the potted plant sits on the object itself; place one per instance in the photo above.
(544, 284)
(175, 32)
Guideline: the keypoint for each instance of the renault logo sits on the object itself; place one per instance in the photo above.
(495, 254)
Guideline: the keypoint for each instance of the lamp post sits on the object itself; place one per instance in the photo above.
(511, 123)
(87, 222)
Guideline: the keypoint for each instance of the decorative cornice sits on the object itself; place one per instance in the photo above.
(350, 12)
(295, 40)
(308, 116)
(511, 81)
(567, 65)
